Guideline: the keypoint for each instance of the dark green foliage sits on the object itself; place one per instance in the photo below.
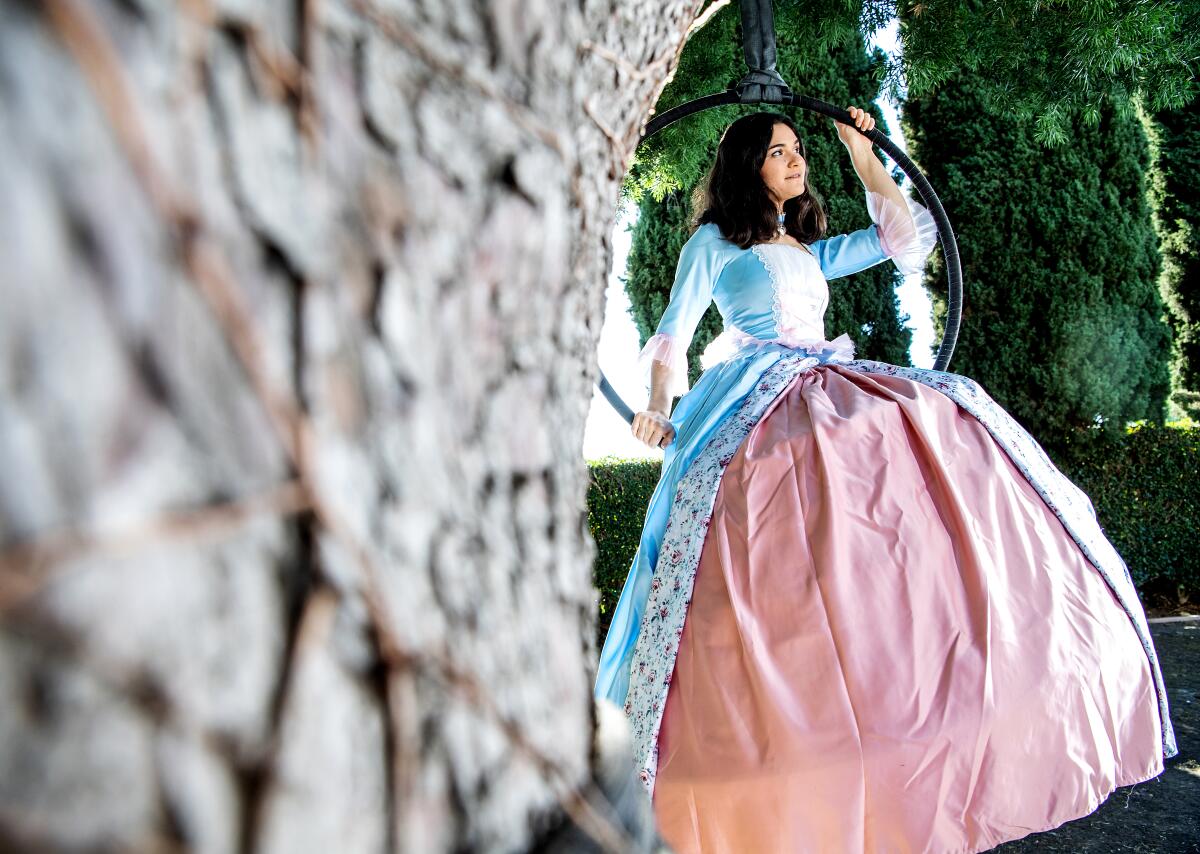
(1062, 321)
(1175, 193)
(1146, 491)
(618, 495)
(1145, 487)
(670, 164)
(1048, 63)
(1052, 62)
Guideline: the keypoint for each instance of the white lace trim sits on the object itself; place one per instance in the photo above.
(797, 313)
(776, 305)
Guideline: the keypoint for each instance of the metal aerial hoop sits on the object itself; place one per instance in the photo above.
(764, 85)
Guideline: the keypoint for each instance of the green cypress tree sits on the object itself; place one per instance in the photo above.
(1175, 192)
(669, 165)
(1062, 321)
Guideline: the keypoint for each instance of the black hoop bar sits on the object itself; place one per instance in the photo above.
(612, 397)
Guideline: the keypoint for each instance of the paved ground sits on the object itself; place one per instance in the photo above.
(1161, 815)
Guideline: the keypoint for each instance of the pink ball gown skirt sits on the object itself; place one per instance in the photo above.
(893, 645)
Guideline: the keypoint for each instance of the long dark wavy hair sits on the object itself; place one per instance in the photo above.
(734, 196)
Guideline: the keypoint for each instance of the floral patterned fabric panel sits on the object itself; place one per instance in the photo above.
(691, 511)
(671, 588)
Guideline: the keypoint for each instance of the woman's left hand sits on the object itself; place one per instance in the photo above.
(852, 139)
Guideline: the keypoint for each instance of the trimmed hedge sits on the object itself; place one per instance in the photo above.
(1146, 491)
(1145, 487)
(618, 494)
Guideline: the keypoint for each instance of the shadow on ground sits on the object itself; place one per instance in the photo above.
(1161, 815)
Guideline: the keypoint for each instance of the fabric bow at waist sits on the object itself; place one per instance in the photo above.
(734, 341)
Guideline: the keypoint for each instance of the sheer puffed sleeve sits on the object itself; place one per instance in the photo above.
(700, 262)
(906, 236)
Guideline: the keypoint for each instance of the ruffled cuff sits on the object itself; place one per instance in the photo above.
(907, 236)
(667, 349)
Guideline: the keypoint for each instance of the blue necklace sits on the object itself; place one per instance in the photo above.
(782, 228)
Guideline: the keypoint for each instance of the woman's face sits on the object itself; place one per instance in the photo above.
(783, 169)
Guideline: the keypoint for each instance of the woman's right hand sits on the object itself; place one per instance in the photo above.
(653, 428)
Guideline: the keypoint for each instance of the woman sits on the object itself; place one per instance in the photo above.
(866, 612)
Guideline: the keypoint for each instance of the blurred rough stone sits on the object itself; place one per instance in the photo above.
(410, 250)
